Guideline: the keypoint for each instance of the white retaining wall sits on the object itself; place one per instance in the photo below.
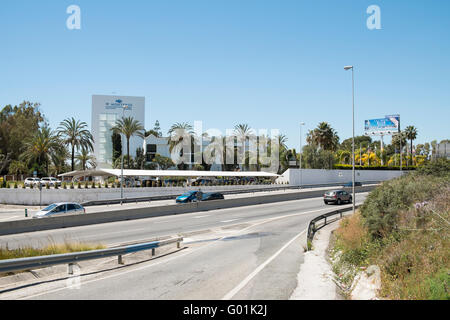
(314, 176)
(31, 196)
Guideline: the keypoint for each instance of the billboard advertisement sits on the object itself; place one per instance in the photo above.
(387, 125)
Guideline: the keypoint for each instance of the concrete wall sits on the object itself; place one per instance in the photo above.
(30, 197)
(314, 176)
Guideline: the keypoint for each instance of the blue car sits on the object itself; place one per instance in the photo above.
(350, 184)
(187, 197)
(192, 196)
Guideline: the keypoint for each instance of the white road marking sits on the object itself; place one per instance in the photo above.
(244, 282)
(226, 221)
(10, 218)
(202, 216)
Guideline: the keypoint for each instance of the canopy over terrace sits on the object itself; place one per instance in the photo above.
(166, 173)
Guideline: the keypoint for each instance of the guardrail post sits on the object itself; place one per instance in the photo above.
(178, 244)
(325, 220)
(340, 213)
(120, 260)
(26, 213)
(70, 268)
(153, 252)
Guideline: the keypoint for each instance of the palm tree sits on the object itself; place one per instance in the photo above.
(85, 158)
(178, 132)
(75, 133)
(17, 168)
(129, 127)
(38, 148)
(323, 136)
(411, 134)
(59, 158)
(243, 134)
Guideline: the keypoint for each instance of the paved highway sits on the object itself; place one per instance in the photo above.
(13, 212)
(251, 253)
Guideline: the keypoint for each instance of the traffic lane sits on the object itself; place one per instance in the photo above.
(19, 213)
(138, 230)
(211, 271)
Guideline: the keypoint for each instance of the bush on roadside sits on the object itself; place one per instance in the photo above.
(403, 228)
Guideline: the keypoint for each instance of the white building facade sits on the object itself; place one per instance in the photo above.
(106, 110)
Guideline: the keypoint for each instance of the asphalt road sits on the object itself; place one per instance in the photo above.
(258, 258)
(15, 212)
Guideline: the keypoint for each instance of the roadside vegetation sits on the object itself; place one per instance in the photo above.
(51, 249)
(403, 228)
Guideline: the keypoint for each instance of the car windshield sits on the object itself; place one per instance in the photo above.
(50, 207)
(330, 193)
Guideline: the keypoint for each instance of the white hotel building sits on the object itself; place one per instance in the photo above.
(106, 110)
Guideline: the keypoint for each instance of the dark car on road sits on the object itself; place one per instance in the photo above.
(212, 196)
(191, 196)
(337, 197)
(350, 184)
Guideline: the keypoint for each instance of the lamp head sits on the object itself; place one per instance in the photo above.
(348, 67)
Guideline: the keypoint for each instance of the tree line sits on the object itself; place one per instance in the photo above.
(28, 145)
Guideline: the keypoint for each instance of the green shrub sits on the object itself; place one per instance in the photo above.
(439, 168)
(383, 205)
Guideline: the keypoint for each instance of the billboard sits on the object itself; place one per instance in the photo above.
(385, 126)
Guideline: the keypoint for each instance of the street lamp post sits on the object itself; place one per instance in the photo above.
(353, 136)
(124, 107)
(301, 154)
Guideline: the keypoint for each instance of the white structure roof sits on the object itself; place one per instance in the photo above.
(166, 173)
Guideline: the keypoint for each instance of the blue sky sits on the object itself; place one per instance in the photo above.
(271, 64)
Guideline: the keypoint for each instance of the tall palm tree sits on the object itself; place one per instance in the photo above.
(411, 134)
(243, 133)
(77, 135)
(39, 147)
(178, 132)
(129, 127)
(323, 136)
(59, 158)
(85, 158)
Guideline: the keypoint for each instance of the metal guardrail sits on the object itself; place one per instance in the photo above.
(72, 258)
(238, 191)
(315, 224)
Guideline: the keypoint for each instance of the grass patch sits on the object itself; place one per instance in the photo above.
(51, 249)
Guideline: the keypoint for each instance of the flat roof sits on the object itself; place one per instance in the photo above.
(166, 173)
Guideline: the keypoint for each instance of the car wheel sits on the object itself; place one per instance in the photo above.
(326, 202)
(351, 200)
(339, 202)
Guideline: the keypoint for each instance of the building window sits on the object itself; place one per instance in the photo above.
(151, 148)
